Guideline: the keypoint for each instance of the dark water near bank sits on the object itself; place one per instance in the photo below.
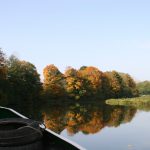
(97, 126)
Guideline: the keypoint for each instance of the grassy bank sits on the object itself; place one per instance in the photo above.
(142, 102)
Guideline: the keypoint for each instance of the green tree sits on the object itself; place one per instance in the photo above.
(116, 84)
(106, 87)
(24, 83)
(130, 89)
(2, 66)
(144, 87)
(3, 79)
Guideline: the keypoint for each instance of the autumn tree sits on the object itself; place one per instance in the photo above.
(74, 86)
(53, 81)
(94, 77)
(71, 72)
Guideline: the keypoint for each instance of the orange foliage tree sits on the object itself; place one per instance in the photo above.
(53, 81)
(75, 87)
(88, 82)
(94, 77)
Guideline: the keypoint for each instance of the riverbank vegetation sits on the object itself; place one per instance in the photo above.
(142, 102)
(20, 83)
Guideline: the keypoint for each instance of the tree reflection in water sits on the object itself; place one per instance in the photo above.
(85, 118)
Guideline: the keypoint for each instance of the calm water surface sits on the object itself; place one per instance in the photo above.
(129, 136)
(98, 126)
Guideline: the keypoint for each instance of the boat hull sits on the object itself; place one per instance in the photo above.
(50, 141)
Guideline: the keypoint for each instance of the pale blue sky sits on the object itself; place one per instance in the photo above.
(108, 34)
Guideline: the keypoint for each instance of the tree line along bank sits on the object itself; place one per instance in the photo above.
(20, 83)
